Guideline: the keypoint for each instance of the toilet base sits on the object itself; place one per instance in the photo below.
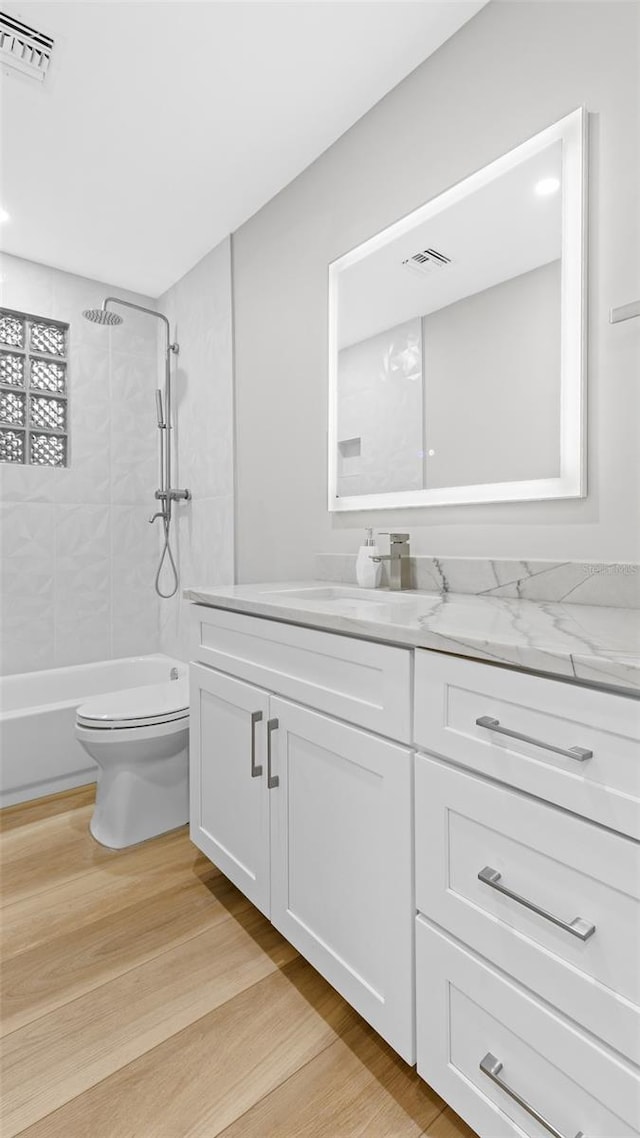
(143, 797)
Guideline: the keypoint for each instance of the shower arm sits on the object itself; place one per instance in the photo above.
(166, 495)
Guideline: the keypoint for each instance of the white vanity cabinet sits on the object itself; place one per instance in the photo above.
(308, 815)
(453, 845)
(527, 807)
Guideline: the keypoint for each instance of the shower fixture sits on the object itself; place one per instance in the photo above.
(166, 495)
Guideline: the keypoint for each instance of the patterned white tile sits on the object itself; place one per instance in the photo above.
(138, 334)
(133, 636)
(87, 480)
(23, 576)
(82, 592)
(26, 619)
(134, 560)
(27, 531)
(82, 640)
(28, 483)
(134, 380)
(90, 374)
(28, 647)
(82, 536)
(134, 480)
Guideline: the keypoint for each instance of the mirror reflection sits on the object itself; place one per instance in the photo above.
(448, 342)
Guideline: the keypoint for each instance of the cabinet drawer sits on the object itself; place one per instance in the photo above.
(451, 695)
(364, 683)
(564, 865)
(467, 1011)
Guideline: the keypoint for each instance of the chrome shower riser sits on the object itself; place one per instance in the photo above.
(166, 494)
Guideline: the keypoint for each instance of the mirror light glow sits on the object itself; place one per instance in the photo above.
(547, 186)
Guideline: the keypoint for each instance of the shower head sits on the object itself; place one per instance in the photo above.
(101, 316)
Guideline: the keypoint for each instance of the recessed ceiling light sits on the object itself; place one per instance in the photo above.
(4, 216)
(547, 186)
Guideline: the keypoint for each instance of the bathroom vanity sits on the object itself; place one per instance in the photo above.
(452, 843)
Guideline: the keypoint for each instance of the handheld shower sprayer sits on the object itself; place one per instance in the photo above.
(166, 494)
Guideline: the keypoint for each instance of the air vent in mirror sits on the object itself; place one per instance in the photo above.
(426, 261)
(24, 48)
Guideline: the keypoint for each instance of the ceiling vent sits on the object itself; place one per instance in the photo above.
(426, 262)
(24, 48)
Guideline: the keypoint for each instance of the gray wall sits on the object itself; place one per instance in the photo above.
(512, 70)
(492, 383)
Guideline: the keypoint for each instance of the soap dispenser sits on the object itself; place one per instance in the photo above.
(368, 572)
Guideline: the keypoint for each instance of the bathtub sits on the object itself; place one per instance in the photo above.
(38, 749)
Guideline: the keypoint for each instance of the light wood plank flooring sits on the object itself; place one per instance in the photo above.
(144, 997)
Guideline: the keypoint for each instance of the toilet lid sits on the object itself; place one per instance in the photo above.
(137, 707)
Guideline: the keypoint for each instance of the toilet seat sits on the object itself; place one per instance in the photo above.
(148, 706)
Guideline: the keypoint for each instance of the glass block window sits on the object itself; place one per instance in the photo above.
(11, 369)
(33, 390)
(11, 446)
(49, 338)
(48, 450)
(12, 407)
(48, 375)
(50, 414)
(12, 329)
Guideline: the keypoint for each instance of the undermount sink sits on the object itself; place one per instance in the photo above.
(338, 594)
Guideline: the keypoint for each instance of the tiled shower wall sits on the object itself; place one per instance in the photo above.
(77, 555)
(199, 309)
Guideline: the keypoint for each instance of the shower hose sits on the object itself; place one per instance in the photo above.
(164, 556)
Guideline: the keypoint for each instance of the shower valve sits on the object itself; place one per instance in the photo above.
(172, 495)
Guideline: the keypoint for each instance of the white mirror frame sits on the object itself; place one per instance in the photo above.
(572, 132)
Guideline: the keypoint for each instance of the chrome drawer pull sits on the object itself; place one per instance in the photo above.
(492, 1067)
(256, 769)
(272, 779)
(577, 927)
(578, 753)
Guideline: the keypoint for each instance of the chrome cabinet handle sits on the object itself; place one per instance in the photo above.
(577, 927)
(492, 1067)
(272, 779)
(256, 768)
(578, 753)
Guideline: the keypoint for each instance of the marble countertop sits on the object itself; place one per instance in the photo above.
(590, 643)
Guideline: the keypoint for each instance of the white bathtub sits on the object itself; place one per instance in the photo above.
(39, 753)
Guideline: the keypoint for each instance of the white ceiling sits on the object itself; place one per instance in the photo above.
(162, 126)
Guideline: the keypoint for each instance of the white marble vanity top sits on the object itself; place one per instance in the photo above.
(595, 644)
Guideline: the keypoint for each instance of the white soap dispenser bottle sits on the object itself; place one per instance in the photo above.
(368, 572)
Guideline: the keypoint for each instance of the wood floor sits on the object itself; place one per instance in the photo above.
(144, 997)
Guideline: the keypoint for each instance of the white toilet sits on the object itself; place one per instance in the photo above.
(139, 739)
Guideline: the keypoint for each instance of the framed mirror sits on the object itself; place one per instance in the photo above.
(457, 340)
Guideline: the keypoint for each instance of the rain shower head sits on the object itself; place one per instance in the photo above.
(101, 316)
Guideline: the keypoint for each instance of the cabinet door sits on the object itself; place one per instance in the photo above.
(341, 876)
(229, 815)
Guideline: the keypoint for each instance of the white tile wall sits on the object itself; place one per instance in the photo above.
(199, 308)
(77, 556)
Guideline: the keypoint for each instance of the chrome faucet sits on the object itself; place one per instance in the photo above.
(398, 558)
